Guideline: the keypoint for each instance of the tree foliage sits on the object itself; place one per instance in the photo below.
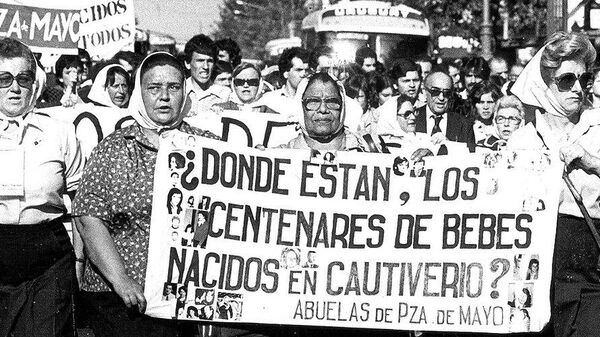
(464, 17)
(252, 23)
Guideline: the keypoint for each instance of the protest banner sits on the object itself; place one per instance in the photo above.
(45, 26)
(107, 26)
(93, 123)
(362, 240)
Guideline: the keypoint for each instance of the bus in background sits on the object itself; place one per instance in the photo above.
(391, 31)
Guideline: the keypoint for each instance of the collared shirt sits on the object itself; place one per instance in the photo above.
(116, 187)
(52, 165)
(431, 121)
(199, 101)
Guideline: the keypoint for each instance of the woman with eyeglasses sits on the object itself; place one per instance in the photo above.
(508, 116)
(111, 87)
(247, 89)
(553, 86)
(41, 160)
(113, 205)
(482, 98)
(324, 112)
(397, 132)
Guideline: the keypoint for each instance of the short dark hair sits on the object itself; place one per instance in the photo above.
(354, 84)
(66, 61)
(285, 60)
(161, 59)
(11, 48)
(317, 52)
(478, 66)
(110, 76)
(200, 44)
(231, 47)
(221, 67)
(363, 53)
(130, 57)
(401, 67)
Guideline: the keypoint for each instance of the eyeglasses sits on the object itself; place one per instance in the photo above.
(314, 103)
(407, 113)
(252, 82)
(24, 79)
(435, 92)
(566, 81)
(511, 120)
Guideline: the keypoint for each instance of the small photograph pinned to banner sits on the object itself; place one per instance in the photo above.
(202, 227)
(290, 258)
(520, 295)
(526, 267)
(400, 166)
(229, 306)
(311, 260)
(205, 300)
(182, 301)
(418, 169)
(519, 320)
(176, 161)
(169, 292)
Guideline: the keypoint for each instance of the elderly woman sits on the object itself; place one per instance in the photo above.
(323, 119)
(508, 116)
(41, 160)
(113, 205)
(111, 87)
(482, 98)
(247, 89)
(554, 86)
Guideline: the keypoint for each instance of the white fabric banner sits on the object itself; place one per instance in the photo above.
(362, 240)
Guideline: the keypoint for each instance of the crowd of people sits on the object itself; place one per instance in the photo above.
(420, 107)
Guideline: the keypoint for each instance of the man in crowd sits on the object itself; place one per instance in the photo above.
(200, 55)
(229, 51)
(407, 77)
(366, 58)
(293, 66)
(435, 119)
(475, 70)
(499, 67)
(425, 64)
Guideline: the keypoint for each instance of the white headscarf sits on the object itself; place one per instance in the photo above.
(303, 85)
(531, 89)
(136, 104)
(98, 92)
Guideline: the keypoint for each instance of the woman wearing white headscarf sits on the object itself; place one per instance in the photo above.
(111, 87)
(553, 86)
(323, 119)
(113, 205)
(246, 90)
(41, 160)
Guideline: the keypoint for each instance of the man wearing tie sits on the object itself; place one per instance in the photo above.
(434, 118)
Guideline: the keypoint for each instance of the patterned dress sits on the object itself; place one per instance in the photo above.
(116, 187)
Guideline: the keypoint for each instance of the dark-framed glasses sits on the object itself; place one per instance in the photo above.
(511, 120)
(252, 82)
(24, 79)
(314, 103)
(435, 92)
(566, 81)
(407, 113)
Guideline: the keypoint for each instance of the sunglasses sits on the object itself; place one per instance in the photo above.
(24, 79)
(314, 103)
(252, 82)
(566, 81)
(407, 113)
(435, 92)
